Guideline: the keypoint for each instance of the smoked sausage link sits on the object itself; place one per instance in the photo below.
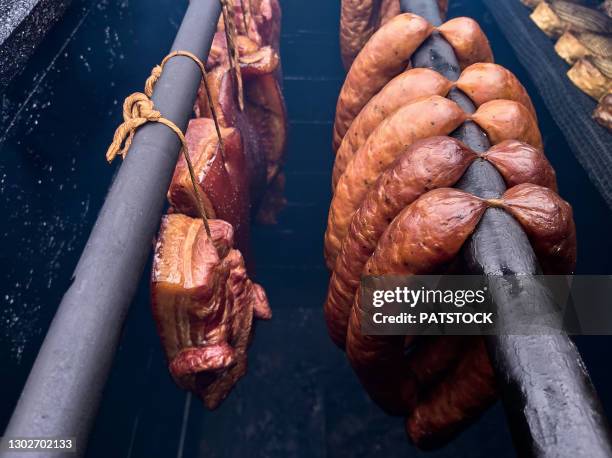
(425, 235)
(388, 53)
(384, 56)
(481, 82)
(421, 119)
(359, 19)
(548, 221)
(424, 238)
(432, 163)
(428, 164)
(456, 401)
(520, 163)
(435, 115)
(401, 90)
(508, 120)
(394, 212)
(467, 40)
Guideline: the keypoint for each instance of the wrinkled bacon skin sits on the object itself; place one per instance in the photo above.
(203, 304)
(261, 28)
(221, 84)
(264, 26)
(253, 59)
(268, 17)
(218, 54)
(221, 178)
(263, 123)
(359, 19)
(423, 239)
(265, 108)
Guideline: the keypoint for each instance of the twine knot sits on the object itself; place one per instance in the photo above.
(138, 109)
(495, 203)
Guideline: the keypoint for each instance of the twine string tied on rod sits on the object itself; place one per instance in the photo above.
(230, 37)
(138, 109)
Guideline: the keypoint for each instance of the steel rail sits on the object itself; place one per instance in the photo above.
(552, 407)
(64, 388)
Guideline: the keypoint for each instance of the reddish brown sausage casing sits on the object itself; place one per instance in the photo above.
(359, 19)
(425, 235)
(481, 82)
(549, 224)
(428, 164)
(424, 238)
(401, 90)
(435, 115)
(468, 41)
(508, 120)
(388, 53)
(384, 56)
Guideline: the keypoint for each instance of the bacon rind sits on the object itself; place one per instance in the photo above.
(221, 178)
(203, 304)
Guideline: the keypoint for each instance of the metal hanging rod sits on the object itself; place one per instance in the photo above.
(64, 389)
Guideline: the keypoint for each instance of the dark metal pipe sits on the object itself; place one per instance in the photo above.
(550, 402)
(64, 388)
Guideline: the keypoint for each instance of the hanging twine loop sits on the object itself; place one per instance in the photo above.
(138, 109)
(230, 34)
(156, 74)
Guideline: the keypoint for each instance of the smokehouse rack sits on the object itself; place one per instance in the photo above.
(229, 231)
(576, 94)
